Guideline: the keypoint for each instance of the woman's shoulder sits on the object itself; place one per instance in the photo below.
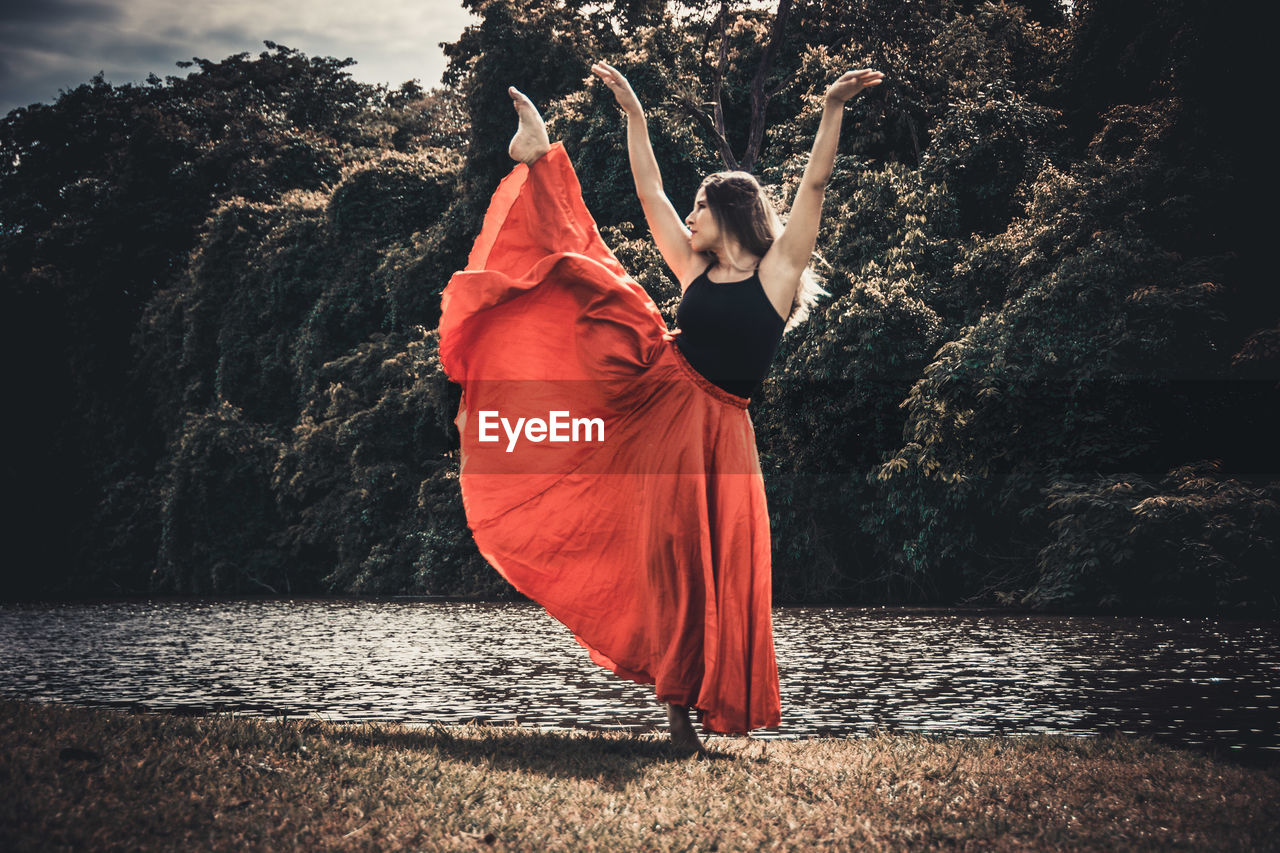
(702, 276)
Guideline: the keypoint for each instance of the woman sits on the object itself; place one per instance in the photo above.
(646, 531)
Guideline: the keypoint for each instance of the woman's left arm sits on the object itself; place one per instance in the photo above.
(791, 252)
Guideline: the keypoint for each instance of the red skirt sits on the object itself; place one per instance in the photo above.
(601, 474)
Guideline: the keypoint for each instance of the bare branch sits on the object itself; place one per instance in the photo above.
(714, 27)
(718, 79)
(759, 97)
(777, 88)
(717, 134)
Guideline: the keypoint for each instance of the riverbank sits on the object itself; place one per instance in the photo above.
(74, 777)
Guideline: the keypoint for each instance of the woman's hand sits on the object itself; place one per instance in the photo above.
(851, 83)
(618, 84)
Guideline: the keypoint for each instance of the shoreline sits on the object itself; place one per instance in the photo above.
(1253, 759)
(73, 776)
(1262, 615)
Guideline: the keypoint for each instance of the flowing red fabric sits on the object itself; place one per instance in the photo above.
(648, 537)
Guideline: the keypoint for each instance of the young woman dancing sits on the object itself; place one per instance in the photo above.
(609, 466)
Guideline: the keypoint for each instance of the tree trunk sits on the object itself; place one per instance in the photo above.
(760, 97)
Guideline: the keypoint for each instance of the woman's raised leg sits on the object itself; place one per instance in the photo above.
(530, 141)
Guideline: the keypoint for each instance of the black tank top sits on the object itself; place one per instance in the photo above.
(729, 331)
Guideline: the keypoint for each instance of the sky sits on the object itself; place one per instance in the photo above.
(48, 45)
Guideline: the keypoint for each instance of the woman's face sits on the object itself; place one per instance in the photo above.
(704, 232)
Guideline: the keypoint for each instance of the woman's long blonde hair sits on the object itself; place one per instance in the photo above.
(741, 208)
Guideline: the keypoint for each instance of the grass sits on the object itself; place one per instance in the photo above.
(79, 778)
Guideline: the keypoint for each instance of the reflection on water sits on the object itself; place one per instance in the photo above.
(1197, 682)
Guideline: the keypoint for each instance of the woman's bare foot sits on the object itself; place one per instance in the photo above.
(682, 734)
(530, 141)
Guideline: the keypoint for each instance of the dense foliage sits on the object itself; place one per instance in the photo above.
(1040, 379)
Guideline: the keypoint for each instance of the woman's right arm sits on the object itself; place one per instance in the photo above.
(669, 233)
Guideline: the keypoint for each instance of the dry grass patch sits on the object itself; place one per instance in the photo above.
(89, 779)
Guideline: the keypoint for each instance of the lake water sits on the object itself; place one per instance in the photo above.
(1198, 682)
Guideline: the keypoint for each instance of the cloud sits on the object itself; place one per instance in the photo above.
(49, 45)
(45, 11)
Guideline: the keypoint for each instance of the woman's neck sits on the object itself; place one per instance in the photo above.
(736, 260)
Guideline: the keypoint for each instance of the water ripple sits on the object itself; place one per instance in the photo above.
(1192, 681)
